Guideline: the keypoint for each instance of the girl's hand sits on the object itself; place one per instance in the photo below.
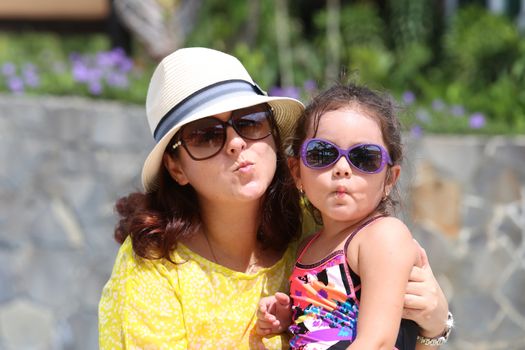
(425, 302)
(274, 314)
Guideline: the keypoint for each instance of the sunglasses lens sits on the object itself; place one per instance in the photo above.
(320, 154)
(203, 138)
(252, 123)
(367, 158)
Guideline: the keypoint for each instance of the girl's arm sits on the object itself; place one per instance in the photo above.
(425, 302)
(382, 255)
(274, 314)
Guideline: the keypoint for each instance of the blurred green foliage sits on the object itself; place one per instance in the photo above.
(464, 74)
(44, 63)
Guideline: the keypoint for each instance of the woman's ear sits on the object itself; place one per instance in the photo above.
(173, 166)
(293, 164)
(392, 176)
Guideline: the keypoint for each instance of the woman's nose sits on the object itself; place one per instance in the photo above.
(342, 168)
(234, 142)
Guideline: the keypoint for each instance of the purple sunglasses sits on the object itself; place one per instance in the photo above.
(368, 158)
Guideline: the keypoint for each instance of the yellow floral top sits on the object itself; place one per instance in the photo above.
(154, 304)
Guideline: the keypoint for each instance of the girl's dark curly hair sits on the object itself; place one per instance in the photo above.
(155, 221)
(379, 105)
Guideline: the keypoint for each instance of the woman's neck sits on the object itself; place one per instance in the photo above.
(230, 233)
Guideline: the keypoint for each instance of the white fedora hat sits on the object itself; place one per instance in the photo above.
(194, 83)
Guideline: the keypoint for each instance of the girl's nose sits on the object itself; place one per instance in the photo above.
(342, 168)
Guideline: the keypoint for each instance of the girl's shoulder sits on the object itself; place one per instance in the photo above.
(384, 233)
(305, 242)
(382, 228)
(381, 235)
(386, 226)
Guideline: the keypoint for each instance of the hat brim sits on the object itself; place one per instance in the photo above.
(286, 113)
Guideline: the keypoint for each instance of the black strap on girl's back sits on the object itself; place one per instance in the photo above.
(359, 228)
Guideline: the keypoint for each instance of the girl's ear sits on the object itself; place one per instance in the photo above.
(173, 166)
(392, 176)
(293, 164)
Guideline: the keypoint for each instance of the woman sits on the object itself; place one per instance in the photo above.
(217, 226)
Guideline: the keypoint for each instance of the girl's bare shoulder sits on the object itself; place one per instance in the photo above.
(386, 232)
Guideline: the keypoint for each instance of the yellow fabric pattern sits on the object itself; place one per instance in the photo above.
(154, 304)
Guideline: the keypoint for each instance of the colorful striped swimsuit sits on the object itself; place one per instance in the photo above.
(326, 303)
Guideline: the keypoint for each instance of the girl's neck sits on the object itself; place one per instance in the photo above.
(336, 228)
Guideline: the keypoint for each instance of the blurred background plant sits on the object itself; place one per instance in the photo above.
(452, 72)
(36, 64)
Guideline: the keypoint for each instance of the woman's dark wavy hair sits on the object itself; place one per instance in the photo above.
(155, 221)
(379, 105)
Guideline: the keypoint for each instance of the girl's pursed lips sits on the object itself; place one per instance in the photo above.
(340, 191)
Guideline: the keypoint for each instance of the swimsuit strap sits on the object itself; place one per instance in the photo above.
(307, 245)
(359, 228)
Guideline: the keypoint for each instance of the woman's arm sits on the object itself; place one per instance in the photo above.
(139, 307)
(425, 302)
(382, 255)
(429, 343)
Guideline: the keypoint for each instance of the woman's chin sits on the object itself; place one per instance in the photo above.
(253, 191)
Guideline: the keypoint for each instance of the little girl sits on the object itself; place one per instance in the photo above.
(348, 283)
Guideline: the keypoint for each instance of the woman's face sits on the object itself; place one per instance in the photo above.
(240, 172)
(341, 192)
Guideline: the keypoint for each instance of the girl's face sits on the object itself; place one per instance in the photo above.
(240, 172)
(341, 192)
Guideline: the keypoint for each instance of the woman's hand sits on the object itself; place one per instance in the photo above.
(425, 302)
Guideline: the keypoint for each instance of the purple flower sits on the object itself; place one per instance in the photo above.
(15, 84)
(275, 91)
(8, 69)
(95, 87)
(457, 110)
(118, 54)
(105, 59)
(126, 64)
(409, 97)
(438, 104)
(114, 59)
(310, 85)
(477, 121)
(75, 56)
(416, 131)
(109, 66)
(81, 73)
(117, 80)
(287, 91)
(95, 74)
(31, 78)
(422, 115)
(30, 75)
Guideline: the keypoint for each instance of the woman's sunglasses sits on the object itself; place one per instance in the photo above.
(205, 138)
(367, 158)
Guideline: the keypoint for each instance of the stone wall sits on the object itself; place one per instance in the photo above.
(64, 162)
